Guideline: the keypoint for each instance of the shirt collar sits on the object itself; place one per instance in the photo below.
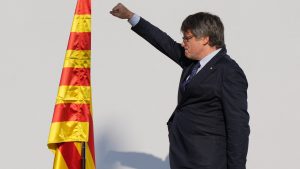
(207, 58)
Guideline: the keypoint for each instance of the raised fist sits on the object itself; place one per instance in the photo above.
(121, 12)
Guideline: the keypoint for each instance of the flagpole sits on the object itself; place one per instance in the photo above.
(83, 156)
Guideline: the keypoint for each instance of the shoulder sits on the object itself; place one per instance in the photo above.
(231, 70)
(228, 64)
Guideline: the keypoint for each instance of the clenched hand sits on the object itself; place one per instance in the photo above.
(121, 12)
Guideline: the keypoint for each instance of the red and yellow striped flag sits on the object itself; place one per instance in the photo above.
(72, 122)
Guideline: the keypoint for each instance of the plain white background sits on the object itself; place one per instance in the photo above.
(135, 86)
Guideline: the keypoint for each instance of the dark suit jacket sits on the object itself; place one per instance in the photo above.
(209, 127)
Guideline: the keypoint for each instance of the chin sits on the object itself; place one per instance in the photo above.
(189, 56)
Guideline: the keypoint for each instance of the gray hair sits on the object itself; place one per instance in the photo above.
(204, 24)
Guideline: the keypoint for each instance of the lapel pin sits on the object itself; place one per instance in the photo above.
(211, 68)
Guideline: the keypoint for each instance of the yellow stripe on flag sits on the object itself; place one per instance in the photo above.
(90, 164)
(68, 131)
(78, 54)
(81, 23)
(78, 146)
(59, 162)
(74, 94)
(78, 59)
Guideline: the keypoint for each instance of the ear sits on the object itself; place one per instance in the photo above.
(205, 40)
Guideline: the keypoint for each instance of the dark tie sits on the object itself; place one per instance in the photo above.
(193, 73)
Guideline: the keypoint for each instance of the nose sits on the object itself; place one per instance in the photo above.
(182, 44)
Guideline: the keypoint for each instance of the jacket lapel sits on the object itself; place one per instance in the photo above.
(187, 72)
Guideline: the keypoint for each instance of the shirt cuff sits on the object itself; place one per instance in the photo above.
(134, 20)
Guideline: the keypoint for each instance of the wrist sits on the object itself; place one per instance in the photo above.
(130, 14)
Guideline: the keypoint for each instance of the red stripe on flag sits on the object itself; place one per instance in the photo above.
(79, 41)
(71, 155)
(83, 7)
(75, 77)
(71, 112)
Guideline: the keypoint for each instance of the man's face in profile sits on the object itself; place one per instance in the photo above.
(193, 47)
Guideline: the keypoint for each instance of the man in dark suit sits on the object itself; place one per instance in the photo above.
(209, 128)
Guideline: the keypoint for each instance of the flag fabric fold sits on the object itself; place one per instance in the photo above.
(72, 122)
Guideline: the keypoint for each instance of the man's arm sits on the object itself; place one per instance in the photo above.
(159, 39)
(236, 116)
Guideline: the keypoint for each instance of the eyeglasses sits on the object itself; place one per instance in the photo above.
(187, 38)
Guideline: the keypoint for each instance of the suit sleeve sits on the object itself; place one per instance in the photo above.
(161, 41)
(234, 100)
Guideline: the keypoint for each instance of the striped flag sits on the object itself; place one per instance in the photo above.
(72, 123)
